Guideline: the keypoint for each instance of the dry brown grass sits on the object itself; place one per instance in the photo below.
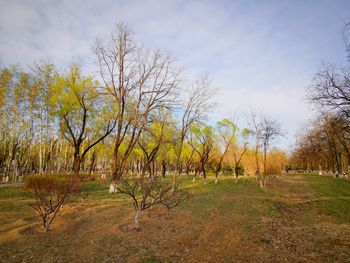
(228, 222)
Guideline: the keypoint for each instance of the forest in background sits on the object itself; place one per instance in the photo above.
(142, 126)
(138, 115)
(323, 145)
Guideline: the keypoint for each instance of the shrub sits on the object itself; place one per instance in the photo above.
(51, 192)
(147, 192)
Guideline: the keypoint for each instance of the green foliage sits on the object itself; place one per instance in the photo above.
(246, 131)
(201, 133)
(5, 79)
(227, 128)
(72, 93)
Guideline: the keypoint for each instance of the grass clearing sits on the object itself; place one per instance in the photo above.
(296, 218)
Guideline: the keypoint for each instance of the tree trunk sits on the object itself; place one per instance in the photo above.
(264, 180)
(59, 154)
(177, 163)
(319, 169)
(92, 163)
(265, 160)
(163, 169)
(261, 182)
(256, 155)
(41, 142)
(113, 187)
(149, 168)
(204, 175)
(46, 222)
(137, 218)
(76, 161)
(65, 159)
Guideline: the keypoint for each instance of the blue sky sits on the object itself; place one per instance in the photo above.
(258, 54)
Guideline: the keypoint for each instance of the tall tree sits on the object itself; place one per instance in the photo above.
(201, 140)
(138, 83)
(82, 114)
(154, 136)
(195, 106)
(226, 130)
(331, 90)
(270, 130)
(240, 150)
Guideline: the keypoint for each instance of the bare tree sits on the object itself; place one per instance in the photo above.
(147, 192)
(171, 200)
(331, 90)
(196, 106)
(270, 130)
(137, 83)
(51, 192)
(346, 36)
(323, 146)
(265, 130)
(257, 131)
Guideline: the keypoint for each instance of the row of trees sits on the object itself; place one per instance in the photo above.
(325, 145)
(135, 116)
(136, 122)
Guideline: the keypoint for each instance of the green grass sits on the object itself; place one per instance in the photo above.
(224, 222)
(329, 186)
(14, 192)
(226, 197)
(336, 194)
(96, 189)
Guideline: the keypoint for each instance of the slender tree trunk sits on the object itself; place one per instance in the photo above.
(265, 160)
(46, 223)
(92, 163)
(149, 168)
(319, 168)
(113, 187)
(59, 157)
(41, 143)
(163, 169)
(76, 161)
(204, 174)
(177, 164)
(256, 154)
(137, 218)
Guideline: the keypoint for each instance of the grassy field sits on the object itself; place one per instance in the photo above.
(299, 218)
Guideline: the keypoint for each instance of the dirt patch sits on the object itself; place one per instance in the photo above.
(228, 223)
(125, 228)
(304, 243)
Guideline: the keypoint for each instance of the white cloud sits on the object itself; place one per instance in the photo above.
(259, 54)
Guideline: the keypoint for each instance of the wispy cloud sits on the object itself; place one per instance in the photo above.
(259, 54)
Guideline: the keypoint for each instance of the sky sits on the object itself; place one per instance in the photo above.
(259, 55)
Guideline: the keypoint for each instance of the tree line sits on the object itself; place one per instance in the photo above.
(137, 122)
(324, 145)
(137, 115)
